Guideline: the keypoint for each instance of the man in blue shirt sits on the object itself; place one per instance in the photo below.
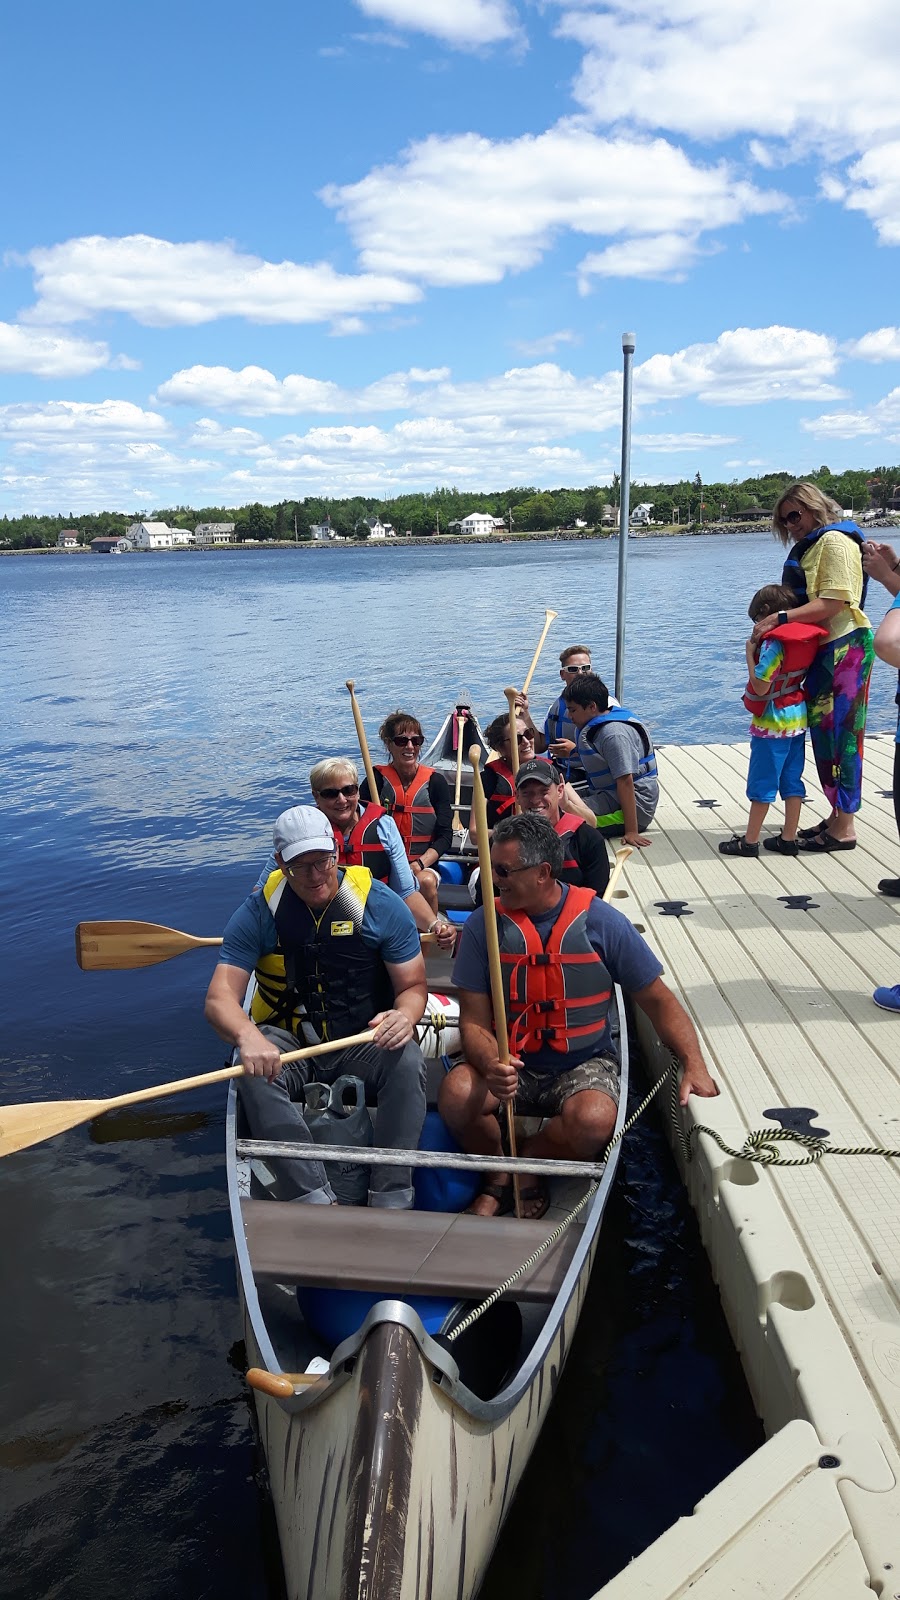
(562, 1061)
(334, 952)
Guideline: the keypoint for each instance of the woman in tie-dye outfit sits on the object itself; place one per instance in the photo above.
(824, 569)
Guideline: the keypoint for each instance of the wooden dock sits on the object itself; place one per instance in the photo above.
(776, 960)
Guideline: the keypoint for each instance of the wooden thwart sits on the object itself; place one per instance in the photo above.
(399, 1253)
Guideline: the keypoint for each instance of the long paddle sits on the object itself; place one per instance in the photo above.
(479, 806)
(549, 616)
(363, 743)
(622, 855)
(122, 946)
(511, 696)
(25, 1125)
(457, 824)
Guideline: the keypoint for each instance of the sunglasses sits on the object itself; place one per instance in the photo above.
(578, 669)
(522, 738)
(792, 516)
(415, 739)
(346, 789)
(506, 872)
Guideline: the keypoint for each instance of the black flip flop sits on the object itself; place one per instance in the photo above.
(536, 1191)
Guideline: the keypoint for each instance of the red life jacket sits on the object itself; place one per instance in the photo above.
(502, 802)
(565, 827)
(410, 808)
(556, 995)
(362, 846)
(802, 642)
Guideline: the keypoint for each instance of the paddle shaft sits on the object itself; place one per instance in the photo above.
(456, 824)
(363, 743)
(549, 618)
(513, 736)
(479, 806)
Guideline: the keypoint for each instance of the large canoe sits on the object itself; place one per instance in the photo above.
(391, 1472)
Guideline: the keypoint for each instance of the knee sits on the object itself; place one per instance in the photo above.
(462, 1094)
(410, 1065)
(588, 1126)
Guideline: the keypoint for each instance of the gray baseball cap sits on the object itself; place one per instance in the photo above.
(300, 830)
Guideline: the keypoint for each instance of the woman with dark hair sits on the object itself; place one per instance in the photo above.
(417, 797)
(824, 569)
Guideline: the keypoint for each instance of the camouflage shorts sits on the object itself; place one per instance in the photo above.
(547, 1091)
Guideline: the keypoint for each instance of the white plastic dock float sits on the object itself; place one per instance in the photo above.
(776, 959)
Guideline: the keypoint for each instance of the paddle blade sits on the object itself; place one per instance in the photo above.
(23, 1126)
(121, 946)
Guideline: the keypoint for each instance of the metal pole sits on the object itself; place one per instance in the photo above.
(624, 508)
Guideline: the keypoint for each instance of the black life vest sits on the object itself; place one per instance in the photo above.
(502, 803)
(325, 966)
(556, 994)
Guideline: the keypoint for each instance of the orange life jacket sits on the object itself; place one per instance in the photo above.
(410, 808)
(558, 994)
(802, 642)
(503, 800)
(363, 847)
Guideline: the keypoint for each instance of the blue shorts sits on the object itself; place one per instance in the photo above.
(776, 768)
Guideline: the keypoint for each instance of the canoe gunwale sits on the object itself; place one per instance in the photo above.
(444, 1369)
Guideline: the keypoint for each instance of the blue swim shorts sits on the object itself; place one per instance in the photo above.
(776, 768)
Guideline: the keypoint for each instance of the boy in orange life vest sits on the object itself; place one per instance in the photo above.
(774, 697)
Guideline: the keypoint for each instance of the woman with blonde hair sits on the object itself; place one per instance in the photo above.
(824, 569)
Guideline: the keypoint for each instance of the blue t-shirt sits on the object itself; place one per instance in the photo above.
(629, 961)
(400, 877)
(387, 927)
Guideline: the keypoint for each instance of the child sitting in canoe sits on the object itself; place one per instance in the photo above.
(774, 697)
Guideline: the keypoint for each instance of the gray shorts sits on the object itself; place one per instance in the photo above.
(547, 1091)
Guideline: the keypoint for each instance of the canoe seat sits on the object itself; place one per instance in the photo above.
(402, 1252)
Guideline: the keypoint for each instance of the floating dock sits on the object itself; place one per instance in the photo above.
(776, 958)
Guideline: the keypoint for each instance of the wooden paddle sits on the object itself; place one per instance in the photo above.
(479, 806)
(622, 855)
(25, 1125)
(511, 697)
(549, 616)
(122, 946)
(363, 743)
(457, 824)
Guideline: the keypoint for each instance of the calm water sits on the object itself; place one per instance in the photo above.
(157, 714)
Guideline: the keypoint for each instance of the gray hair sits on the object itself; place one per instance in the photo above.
(330, 770)
(537, 840)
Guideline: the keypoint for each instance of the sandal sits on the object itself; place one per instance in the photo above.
(825, 843)
(737, 846)
(538, 1195)
(503, 1194)
(813, 833)
(784, 847)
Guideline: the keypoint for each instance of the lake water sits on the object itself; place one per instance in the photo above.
(158, 712)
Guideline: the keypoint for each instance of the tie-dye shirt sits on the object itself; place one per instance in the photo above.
(776, 722)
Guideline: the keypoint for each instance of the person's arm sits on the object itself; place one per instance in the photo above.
(818, 611)
(401, 880)
(224, 1009)
(676, 1031)
(524, 711)
(628, 807)
(573, 803)
(395, 1028)
(881, 563)
(590, 853)
(887, 637)
(763, 666)
(476, 1018)
(270, 867)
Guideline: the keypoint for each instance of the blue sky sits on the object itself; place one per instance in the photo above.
(378, 245)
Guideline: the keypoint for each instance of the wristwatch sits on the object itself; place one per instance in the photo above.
(782, 618)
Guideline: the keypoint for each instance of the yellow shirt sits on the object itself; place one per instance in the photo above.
(833, 568)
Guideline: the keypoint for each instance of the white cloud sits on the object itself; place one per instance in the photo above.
(49, 354)
(255, 392)
(663, 255)
(881, 345)
(65, 420)
(745, 366)
(674, 443)
(162, 284)
(822, 78)
(548, 344)
(872, 185)
(465, 24)
(463, 209)
(881, 420)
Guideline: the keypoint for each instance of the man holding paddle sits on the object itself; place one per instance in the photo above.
(345, 950)
(561, 950)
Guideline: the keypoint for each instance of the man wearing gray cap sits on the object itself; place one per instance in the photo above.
(540, 788)
(334, 952)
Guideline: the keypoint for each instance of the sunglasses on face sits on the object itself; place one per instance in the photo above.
(415, 739)
(522, 738)
(578, 669)
(346, 789)
(506, 872)
(792, 516)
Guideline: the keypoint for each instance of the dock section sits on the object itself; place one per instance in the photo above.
(776, 959)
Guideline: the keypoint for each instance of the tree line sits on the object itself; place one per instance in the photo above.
(524, 509)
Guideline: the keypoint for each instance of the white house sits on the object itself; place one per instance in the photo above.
(68, 539)
(642, 515)
(321, 531)
(182, 536)
(479, 522)
(150, 536)
(378, 529)
(212, 533)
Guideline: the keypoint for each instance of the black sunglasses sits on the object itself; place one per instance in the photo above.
(792, 516)
(506, 872)
(415, 739)
(346, 789)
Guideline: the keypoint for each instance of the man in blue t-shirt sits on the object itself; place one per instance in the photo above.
(340, 951)
(562, 1062)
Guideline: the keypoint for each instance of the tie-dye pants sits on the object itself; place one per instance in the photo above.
(837, 695)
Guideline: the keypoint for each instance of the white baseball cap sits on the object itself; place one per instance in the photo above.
(301, 830)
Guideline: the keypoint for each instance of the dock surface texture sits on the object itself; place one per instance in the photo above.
(807, 1258)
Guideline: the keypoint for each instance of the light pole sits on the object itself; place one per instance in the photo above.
(628, 342)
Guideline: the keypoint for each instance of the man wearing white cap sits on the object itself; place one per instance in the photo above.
(334, 952)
